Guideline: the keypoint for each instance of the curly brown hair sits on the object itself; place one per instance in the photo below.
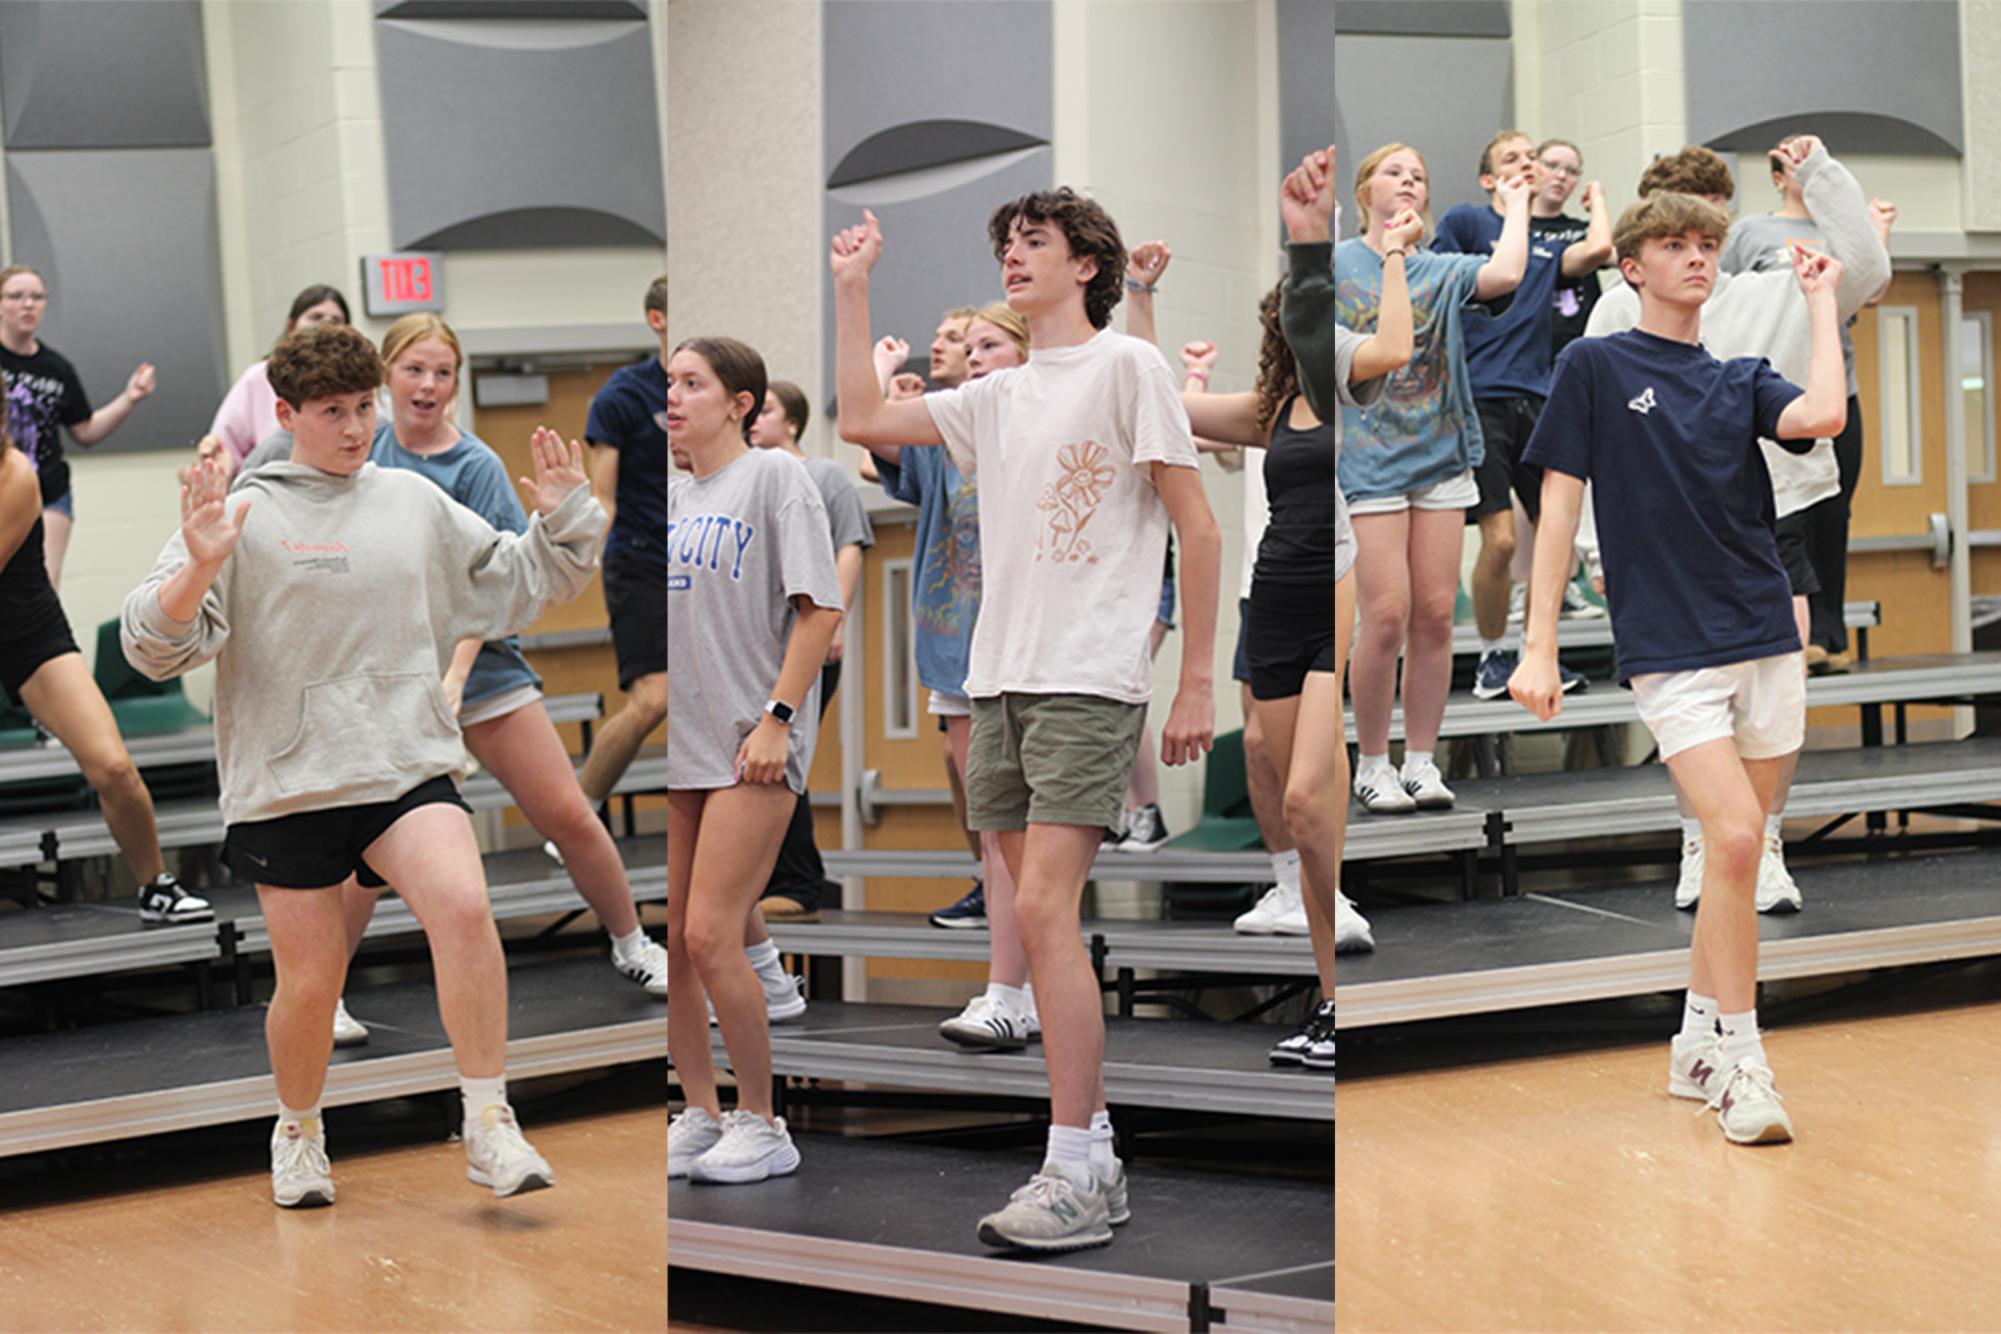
(1278, 373)
(1695, 170)
(1087, 228)
(323, 361)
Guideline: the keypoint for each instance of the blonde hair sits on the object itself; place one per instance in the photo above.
(1372, 164)
(415, 328)
(1003, 317)
(16, 270)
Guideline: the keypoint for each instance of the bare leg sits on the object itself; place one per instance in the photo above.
(1007, 962)
(1262, 777)
(55, 543)
(310, 964)
(1492, 575)
(1383, 586)
(66, 699)
(1436, 539)
(522, 750)
(357, 906)
(687, 1004)
(1051, 863)
(735, 847)
(954, 776)
(432, 859)
(620, 737)
(1730, 796)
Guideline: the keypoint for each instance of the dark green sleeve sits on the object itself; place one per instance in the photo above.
(1307, 316)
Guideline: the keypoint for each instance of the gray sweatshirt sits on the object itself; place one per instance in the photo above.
(334, 619)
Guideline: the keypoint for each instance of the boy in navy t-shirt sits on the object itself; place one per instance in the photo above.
(1701, 607)
(1508, 352)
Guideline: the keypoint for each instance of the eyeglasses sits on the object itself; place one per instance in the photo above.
(1557, 169)
(25, 298)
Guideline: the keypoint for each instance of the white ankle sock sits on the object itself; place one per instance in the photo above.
(1772, 826)
(763, 955)
(1285, 867)
(1691, 830)
(480, 1094)
(1415, 759)
(1494, 645)
(306, 1118)
(1741, 1039)
(1698, 1015)
(1070, 1150)
(1103, 1160)
(1368, 764)
(1015, 998)
(628, 945)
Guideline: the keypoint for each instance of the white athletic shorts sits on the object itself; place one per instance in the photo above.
(498, 706)
(1760, 704)
(1454, 493)
(949, 706)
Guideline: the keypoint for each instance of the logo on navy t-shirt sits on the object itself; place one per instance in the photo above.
(1644, 403)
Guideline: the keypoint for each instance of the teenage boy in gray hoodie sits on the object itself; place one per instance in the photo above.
(330, 593)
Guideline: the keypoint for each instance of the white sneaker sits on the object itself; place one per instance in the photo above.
(497, 1155)
(300, 1178)
(1748, 1108)
(750, 1149)
(1281, 912)
(990, 1024)
(1776, 890)
(782, 998)
(555, 853)
(1051, 1213)
(1577, 607)
(1695, 1066)
(648, 967)
(1688, 889)
(1381, 792)
(348, 1031)
(1426, 787)
(689, 1136)
(1351, 930)
(1518, 603)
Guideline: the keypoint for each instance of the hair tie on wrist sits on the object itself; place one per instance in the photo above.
(1134, 285)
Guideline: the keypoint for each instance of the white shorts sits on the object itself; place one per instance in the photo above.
(949, 706)
(1760, 704)
(498, 706)
(1454, 493)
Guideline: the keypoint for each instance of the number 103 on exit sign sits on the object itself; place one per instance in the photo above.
(403, 281)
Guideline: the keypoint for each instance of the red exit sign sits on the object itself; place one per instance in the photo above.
(403, 281)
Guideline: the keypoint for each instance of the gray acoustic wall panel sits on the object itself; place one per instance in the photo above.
(521, 133)
(510, 9)
(83, 75)
(936, 255)
(914, 83)
(1423, 18)
(1869, 76)
(1469, 94)
(1305, 85)
(124, 289)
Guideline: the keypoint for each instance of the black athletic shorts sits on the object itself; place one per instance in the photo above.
(635, 593)
(1291, 633)
(1791, 534)
(29, 637)
(1240, 666)
(315, 849)
(1507, 424)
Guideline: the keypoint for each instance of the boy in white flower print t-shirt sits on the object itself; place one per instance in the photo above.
(1083, 457)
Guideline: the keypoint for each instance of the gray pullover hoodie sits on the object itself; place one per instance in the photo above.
(334, 619)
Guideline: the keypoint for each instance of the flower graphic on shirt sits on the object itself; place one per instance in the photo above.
(1072, 499)
(21, 418)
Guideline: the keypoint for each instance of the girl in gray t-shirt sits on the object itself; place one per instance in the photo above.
(752, 602)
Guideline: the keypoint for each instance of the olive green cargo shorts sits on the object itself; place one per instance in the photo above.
(1050, 759)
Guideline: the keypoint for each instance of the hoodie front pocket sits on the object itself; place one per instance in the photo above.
(353, 729)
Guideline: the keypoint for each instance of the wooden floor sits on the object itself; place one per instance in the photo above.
(412, 1245)
(1571, 1193)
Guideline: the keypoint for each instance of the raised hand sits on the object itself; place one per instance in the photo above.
(557, 471)
(1883, 213)
(906, 385)
(1594, 195)
(207, 526)
(857, 248)
(1199, 357)
(1800, 149)
(890, 354)
(1306, 200)
(1513, 190)
(1817, 271)
(1146, 262)
(141, 383)
(1406, 229)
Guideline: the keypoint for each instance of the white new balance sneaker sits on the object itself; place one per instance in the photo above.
(1748, 1108)
(1694, 1066)
(1281, 912)
(497, 1156)
(1776, 890)
(1351, 930)
(750, 1149)
(300, 1178)
(1688, 889)
(1051, 1213)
